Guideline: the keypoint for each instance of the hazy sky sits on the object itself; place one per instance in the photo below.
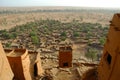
(81, 3)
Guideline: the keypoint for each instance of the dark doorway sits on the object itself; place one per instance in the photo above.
(65, 64)
(109, 58)
(35, 70)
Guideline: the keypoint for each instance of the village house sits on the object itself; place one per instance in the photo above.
(65, 57)
(109, 67)
(26, 65)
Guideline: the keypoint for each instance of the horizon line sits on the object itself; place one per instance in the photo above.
(27, 6)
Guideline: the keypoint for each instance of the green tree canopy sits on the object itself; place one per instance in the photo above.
(75, 34)
(91, 54)
(35, 40)
(63, 34)
(102, 40)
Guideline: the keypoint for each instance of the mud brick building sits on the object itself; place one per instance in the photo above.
(109, 67)
(65, 57)
(5, 70)
(23, 65)
(35, 64)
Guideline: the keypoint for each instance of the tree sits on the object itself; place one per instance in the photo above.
(6, 35)
(102, 40)
(35, 40)
(75, 34)
(91, 54)
(63, 34)
(13, 35)
(33, 33)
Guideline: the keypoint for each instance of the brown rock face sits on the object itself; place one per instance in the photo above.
(5, 70)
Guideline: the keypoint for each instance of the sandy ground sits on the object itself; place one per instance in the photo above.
(8, 21)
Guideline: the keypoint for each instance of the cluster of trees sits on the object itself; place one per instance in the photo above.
(75, 34)
(102, 40)
(46, 27)
(8, 35)
(91, 54)
(34, 38)
(63, 35)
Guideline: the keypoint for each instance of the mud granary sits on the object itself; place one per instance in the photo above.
(5, 70)
(65, 56)
(109, 67)
(26, 65)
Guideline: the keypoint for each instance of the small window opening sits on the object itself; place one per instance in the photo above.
(109, 58)
(116, 28)
(35, 70)
(65, 64)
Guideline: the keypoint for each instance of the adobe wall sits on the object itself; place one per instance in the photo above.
(109, 67)
(20, 64)
(26, 65)
(35, 60)
(16, 66)
(5, 70)
(38, 61)
(65, 58)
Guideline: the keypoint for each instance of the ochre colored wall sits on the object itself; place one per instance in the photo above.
(16, 66)
(35, 59)
(26, 67)
(38, 61)
(20, 64)
(65, 56)
(109, 67)
(5, 70)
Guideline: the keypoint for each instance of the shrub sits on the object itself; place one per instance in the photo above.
(63, 34)
(91, 54)
(35, 40)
